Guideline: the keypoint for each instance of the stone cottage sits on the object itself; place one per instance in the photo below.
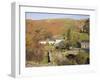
(85, 44)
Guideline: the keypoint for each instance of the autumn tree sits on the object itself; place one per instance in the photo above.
(35, 50)
(71, 37)
(86, 26)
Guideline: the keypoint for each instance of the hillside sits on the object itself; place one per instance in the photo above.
(54, 26)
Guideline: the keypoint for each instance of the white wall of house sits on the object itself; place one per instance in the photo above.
(42, 42)
(84, 45)
(51, 42)
(45, 42)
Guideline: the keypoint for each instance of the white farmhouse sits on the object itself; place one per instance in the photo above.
(51, 41)
(47, 42)
(85, 44)
(42, 42)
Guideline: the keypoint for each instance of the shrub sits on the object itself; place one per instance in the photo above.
(35, 55)
(82, 58)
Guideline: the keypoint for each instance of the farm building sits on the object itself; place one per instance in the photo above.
(85, 44)
(48, 41)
